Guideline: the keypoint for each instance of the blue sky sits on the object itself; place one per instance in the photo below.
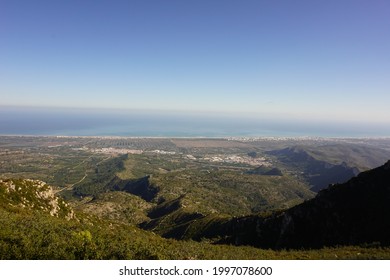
(301, 60)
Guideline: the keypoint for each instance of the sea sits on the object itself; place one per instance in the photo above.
(136, 123)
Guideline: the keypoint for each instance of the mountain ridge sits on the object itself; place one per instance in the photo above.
(318, 173)
(352, 213)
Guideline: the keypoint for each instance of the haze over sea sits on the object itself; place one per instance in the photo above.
(92, 122)
(195, 68)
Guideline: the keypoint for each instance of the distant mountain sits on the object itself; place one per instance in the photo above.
(362, 156)
(318, 173)
(354, 213)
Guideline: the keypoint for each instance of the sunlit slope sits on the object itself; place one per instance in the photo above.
(353, 213)
(29, 232)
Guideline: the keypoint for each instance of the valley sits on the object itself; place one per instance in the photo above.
(204, 191)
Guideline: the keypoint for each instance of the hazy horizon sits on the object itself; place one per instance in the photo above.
(316, 67)
(100, 122)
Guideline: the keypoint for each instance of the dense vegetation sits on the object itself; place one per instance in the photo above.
(126, 194)
(97, 180)
(317, 173)
(28, 233)
(352, 213)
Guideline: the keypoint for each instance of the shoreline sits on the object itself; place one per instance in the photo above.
(229, 138)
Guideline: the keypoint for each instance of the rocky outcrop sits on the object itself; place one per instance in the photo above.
(34, 195)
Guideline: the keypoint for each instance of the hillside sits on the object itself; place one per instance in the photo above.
(359, 155)
(34, 231)
(33, 195)
(317, 173)
(121, 198)
(353, 213)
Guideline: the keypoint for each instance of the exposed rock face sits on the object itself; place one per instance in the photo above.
(33, 194)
